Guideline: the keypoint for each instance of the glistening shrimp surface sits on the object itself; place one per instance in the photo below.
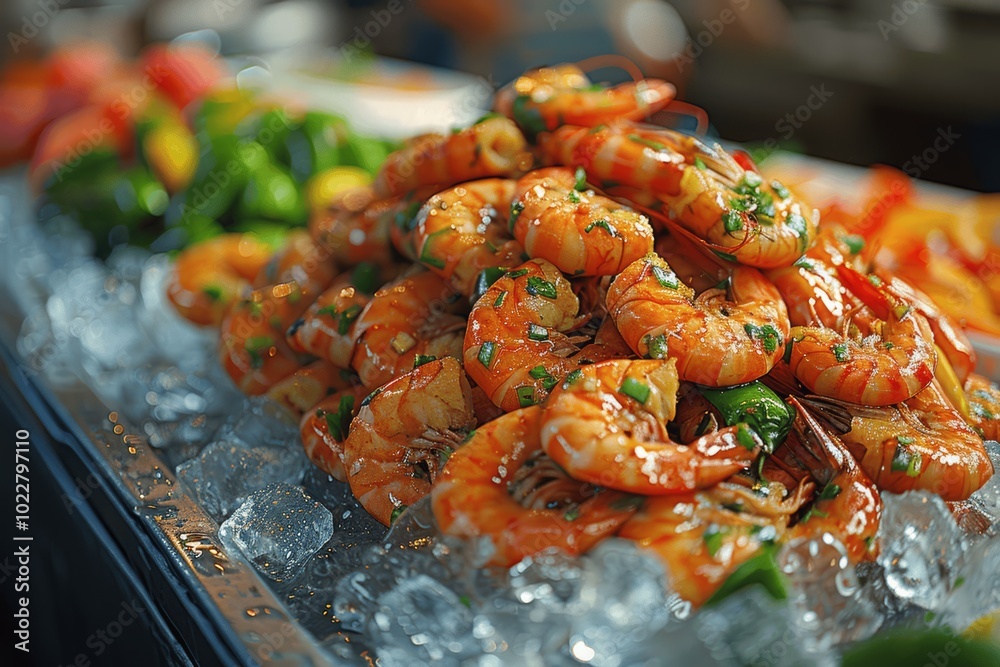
(768, 395)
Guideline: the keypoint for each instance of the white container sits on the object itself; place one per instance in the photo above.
(382, 96)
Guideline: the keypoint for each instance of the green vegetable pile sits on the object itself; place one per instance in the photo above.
(238, 164)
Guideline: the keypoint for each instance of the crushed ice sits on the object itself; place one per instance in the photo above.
(412, 595)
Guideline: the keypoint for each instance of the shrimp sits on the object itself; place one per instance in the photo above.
(718, 339)
(703, 189)
(325, 427)
(253, 350)
(922, 443)
(811, 287)
(492, 147)
(208, 276)
(984, 406)
(516, 347)
(686, 260)
(408, 320)
(405, 221)
(462, 231)
(301, 390)
(606, 424)
(403, 434)
(557, 218)
(695, 415)
(949, 335)
(299, 260)
(356, 227)
(704, 536)
(547, 97)
(608, 344)
(327, 329)
(887, 365)
(501, 485)
(848, 505)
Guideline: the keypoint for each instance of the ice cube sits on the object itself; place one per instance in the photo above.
(96, 312)
(353, 524)
(278, 528)
(46, 351)
(175, 406)
(225, 474)
(920, 543)
(127, 261)
(747, 628)
(420, 620)
(311, 594)
(987, 499)
(631, 600)
(67, 244)
(976, 592)
(751, 628)
(405, 552)
(188, 345)
(824, 595)
(531, 611)
(261, 421)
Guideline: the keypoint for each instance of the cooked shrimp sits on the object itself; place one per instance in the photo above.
(545, 98)
(491, 147)
(305, 387)
(253, 349)
(356, 226)
(695, 415)
(557, 218)
(703, 536)
(703, 189)
(325, 427)
(404, 433)
(411, 318)
(500, 485)
(811, 287)
(882, 361)
(607, 424)
(608, 344)
(327, 329)
(482, 405)
(300, 260)
(516, 347)
(405, 221)
(949, 335)
(848, 505)
(922, 443)
(462, 231)
(717, 338)
(984, 406)
(687, 261)
(208, 276)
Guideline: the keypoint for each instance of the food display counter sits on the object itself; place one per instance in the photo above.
(175, 518)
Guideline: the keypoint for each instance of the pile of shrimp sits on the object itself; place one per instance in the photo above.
(564, 323)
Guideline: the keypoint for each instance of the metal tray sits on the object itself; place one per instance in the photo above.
(223, 611)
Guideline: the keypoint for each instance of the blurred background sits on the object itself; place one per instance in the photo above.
(849, 80)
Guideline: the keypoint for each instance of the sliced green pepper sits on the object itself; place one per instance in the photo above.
(761, 569)
(755, 405)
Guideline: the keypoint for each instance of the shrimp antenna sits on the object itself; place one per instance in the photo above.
(612, 60)
(686, 109)
(711, 248)
(674, 107)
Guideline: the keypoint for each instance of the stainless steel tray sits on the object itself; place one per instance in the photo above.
(162, 524)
